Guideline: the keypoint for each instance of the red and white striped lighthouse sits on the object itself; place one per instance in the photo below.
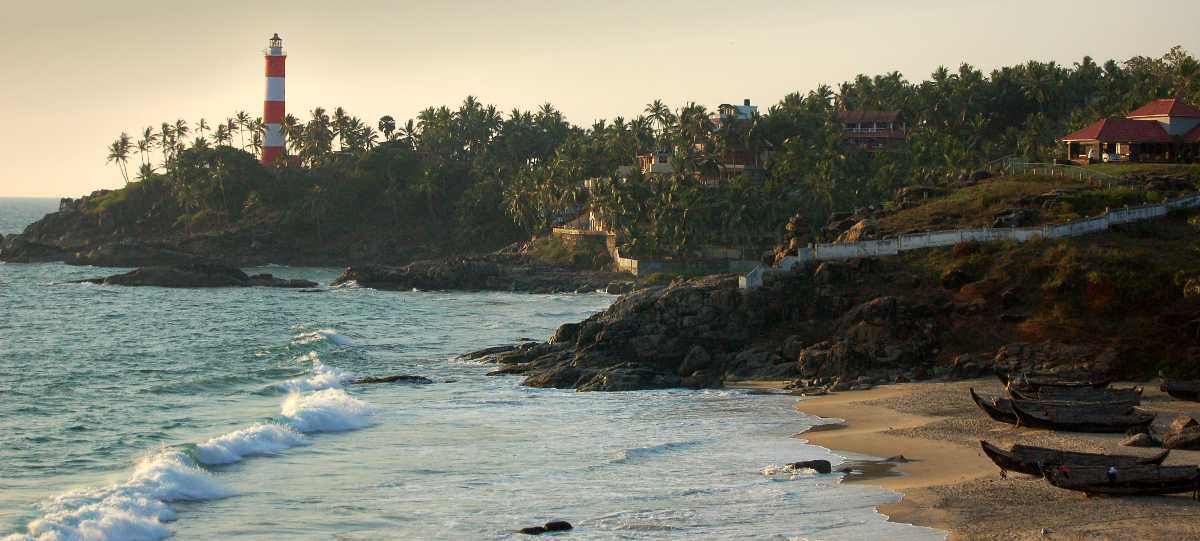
(273, 106)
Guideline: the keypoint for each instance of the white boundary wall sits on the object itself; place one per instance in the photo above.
(904, 243)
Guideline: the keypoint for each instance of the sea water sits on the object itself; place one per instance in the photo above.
(146, 413)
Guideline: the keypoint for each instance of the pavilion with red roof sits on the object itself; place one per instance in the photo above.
(1162, 130)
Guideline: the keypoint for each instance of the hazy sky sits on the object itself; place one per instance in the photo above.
(73, 75)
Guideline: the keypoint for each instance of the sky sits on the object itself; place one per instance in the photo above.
(74, 75)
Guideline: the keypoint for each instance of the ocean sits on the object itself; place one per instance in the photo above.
(148, 413)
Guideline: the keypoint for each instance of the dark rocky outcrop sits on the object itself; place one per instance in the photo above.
(197, 275)
(552, 526)
(493, 272)
(402, 378)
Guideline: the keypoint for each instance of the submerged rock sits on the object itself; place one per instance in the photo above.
(404, 378)
(552, 526)
(197, 275)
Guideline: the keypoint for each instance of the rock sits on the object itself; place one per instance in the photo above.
(955, 278)
(980, 175)
(696, 360)
(899, 459)
(486, 352)
(821, 466)
(492, 272)
(1140, 440)
(1181, 423)
(558, 526)
(420, 380)
(863, 230)
(533, 530)
(619, 288)
(792, 347)
(1013, 217)
(566, 333)
(1188, 438)
(197, 275)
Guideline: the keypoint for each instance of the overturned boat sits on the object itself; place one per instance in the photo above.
(1081, 418)
(1031, 460)
(1146, 480)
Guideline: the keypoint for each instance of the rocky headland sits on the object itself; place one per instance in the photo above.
(1115, 304)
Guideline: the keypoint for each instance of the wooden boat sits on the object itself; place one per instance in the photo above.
(1148, 480)
(1182, 390)
(1132, 395)
(1081, 418)
(1035, 383)
(997, 409)
(1030, 460)
(1001, 409)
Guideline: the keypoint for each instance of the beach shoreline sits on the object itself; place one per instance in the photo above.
(947, 483)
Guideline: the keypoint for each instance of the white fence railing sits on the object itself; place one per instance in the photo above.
(917, 241)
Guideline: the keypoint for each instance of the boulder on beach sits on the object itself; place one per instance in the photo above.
(820, 466)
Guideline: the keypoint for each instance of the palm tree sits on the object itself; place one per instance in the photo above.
(293, 132)
(145, 144)
(166, 141)
(341, 126)
(201, 127)
(387, 126)
(221, 135)
(118, 152)
(145, 172)
(181, 130)
(660, 113)
(242, 121)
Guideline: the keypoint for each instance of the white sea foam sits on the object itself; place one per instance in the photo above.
(135, 510)
(328, 410)
(329, 335)
(260, 439)
(323, 376)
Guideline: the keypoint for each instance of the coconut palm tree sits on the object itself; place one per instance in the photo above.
(118, 152)
(146, 144)
(242, 121)
(166, 141)
(387, 126)
(201, 127)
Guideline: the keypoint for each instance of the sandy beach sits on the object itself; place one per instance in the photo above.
(949, 484)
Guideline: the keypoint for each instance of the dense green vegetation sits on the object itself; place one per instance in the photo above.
(474, 176)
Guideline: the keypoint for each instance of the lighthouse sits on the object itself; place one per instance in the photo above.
(272, 148)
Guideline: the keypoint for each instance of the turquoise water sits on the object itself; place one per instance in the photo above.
(145, 413)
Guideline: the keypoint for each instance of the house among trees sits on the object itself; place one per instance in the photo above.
(872, 130)
(734, 156)
(1165, 130)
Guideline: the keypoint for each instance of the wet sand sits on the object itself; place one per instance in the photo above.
(949, 484)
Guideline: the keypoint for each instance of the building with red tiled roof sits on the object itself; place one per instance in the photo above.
(1162, 130)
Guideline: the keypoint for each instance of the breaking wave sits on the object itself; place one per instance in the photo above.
(138, 509)
(328, 335)
(258, 440)
(322, 376)
(134, 510)
(328, 410)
